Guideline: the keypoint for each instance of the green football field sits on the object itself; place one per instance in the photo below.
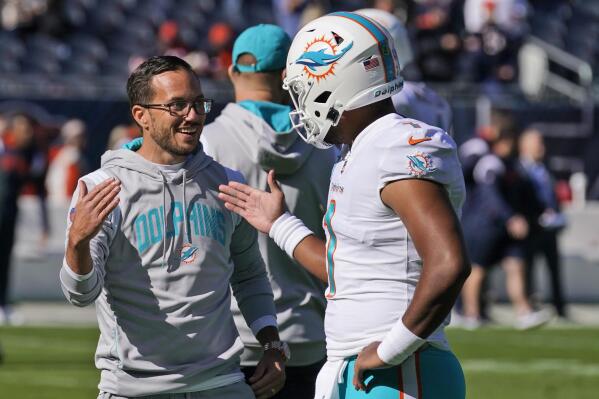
(499, 363)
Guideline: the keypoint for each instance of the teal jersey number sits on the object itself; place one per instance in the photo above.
(331, 247)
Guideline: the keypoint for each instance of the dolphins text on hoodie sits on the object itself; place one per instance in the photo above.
(164, 264)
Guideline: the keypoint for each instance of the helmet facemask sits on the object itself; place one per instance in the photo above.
(312, 128)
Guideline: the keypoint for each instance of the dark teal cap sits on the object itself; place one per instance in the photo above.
(269, 44)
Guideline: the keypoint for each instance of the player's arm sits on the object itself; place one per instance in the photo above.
(426, 211)
(266, 212)
(310, 253)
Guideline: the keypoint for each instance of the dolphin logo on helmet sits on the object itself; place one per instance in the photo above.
(314, 59)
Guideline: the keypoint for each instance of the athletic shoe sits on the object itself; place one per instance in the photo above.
(469, 323)
(533, 319)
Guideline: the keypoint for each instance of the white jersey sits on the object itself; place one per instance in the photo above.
(372, 264)
(417, 100)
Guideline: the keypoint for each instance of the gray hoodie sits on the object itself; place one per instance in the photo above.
(163, 299)
(243, 141)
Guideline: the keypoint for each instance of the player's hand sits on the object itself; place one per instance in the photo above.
(368, 359)
(269, 377)
(92, 208)
(259, 208)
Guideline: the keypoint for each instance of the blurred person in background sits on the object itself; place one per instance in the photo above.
(15, 14)
(473, 149)
(220, 38)
(254, 135)
(315, 9)
(385, 5)
(437, 24)
(150, 244)
(498, 218)
(4, 123)
(15, 172)
(509, 15)
(551, 221)
(68, 163)
(121, 135)
(470, 152)
(169, 40)
(288, 14)
(415, 100)
(494, 32)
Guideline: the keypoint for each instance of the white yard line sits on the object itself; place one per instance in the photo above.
(561, 366)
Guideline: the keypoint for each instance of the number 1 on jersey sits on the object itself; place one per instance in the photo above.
(331, 246)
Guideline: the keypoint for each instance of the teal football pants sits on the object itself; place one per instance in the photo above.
(430, 373)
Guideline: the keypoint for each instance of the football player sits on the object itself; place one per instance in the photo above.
(394, 256)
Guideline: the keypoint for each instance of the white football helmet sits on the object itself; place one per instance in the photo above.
(336, 63)
(398, 32)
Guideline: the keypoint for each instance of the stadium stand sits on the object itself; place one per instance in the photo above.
(57, 52)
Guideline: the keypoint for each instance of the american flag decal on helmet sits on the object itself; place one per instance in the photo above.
(371, 63)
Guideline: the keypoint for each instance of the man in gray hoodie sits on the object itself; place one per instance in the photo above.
(254, 135)
(150, 243)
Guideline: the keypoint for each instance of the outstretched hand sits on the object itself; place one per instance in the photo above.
(92, 208)
(259, 208)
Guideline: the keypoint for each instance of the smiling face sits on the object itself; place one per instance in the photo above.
(170, 138)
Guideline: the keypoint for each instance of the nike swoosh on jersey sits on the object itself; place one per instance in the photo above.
(413, 141)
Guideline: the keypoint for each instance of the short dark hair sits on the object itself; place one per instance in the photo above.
(139, 88)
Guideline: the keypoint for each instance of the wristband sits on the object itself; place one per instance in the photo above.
(399, 344)
(287, 231)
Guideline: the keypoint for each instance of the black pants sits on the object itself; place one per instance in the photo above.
(545, 243)
(300, 381)
(7, 239)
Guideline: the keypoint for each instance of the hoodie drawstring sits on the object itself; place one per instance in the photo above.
(164, 215)
(185, 231)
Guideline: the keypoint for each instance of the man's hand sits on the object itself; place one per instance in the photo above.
(258, 207)
(269, 377)
(368, 359)
(91, 210)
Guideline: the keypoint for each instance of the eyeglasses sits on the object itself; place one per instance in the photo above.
(201, 106)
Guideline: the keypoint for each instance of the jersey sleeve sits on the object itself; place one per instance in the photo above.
(82, 290)
(415, 150)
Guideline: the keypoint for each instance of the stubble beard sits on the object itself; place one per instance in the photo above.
(165, 139)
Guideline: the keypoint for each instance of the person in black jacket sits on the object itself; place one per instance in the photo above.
(550, 221)
(500, 212)
(15, 163)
